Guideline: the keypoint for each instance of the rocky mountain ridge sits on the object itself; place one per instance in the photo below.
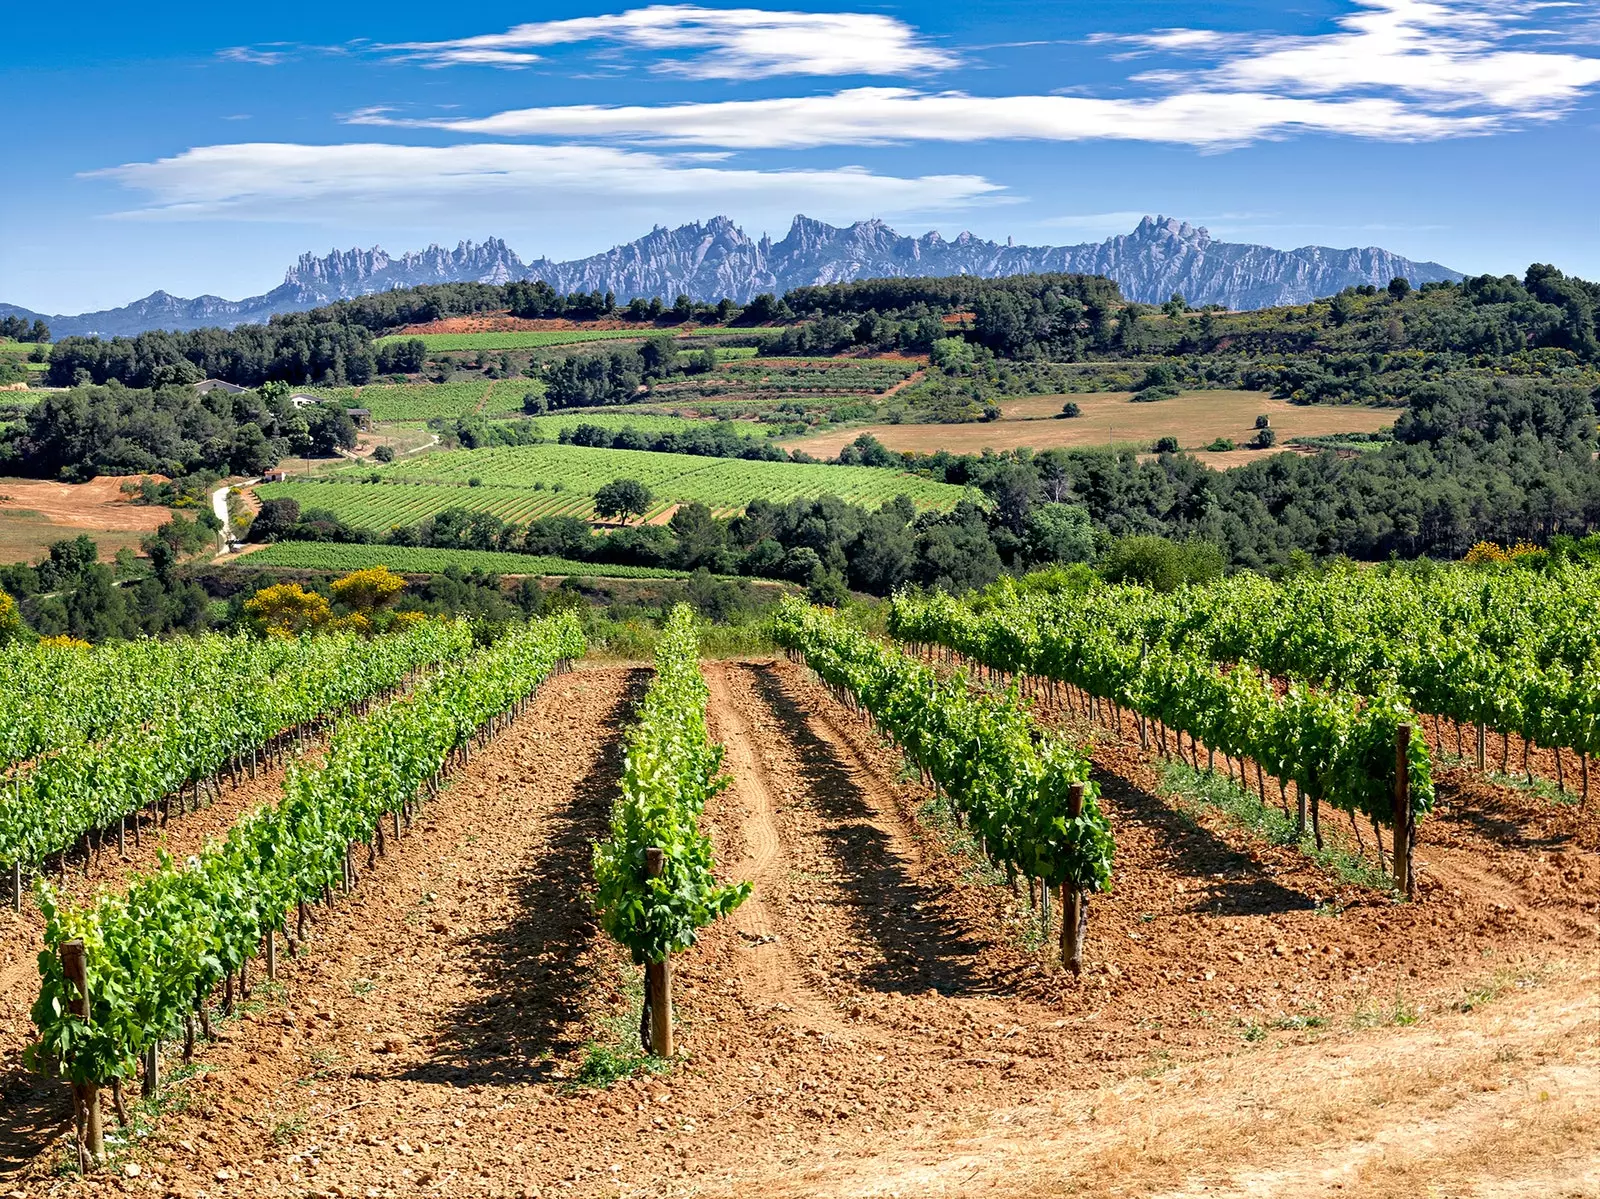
(715, 259)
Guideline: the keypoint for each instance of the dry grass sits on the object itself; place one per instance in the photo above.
(35, 512)
(1195, 418)
(1502, 1100)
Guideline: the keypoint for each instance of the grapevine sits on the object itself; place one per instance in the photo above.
(157, 950)
(1026, 796)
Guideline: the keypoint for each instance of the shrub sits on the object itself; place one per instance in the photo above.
(1221, 444)
(1071, 408)
(1165, 445)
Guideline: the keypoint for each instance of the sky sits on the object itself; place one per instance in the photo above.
(200, 148)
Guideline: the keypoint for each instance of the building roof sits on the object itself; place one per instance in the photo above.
(209, 385)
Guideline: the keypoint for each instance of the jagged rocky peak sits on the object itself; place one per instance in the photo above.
(709, 260)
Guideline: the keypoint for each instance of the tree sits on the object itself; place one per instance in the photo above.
(1165, 445)
(1399, 287)
(1071, 408)
(383, 453)
(368, 590)
(276, 519)
(1059, 533)
(1266, 437)
(11, 627)
(287, 610)
(622, 498)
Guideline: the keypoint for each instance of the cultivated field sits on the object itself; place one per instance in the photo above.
(880, 1017)
(614, 420)
(534, 472)
(1195, 418)
(315, 555)
(34, 513)
(535, 339)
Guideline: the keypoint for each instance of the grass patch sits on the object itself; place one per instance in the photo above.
(1398, 1012)
(1193, 790)
(618, 1054)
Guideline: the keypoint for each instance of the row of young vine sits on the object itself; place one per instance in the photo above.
(1337, 747)
(1509, 651)
(153, 954)
(655, 876)
(1025, 795)
(82, 788)
(53, 695)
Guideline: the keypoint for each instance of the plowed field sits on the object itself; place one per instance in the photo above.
(881, 1018)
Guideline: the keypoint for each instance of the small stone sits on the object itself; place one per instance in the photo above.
(1237, 957)
(133, 1169)
(224, 1175)
(395, 1044)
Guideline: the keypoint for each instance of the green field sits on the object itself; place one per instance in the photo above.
(521, 484)
(382, 506)
(720, 482)
(535, 339)
(516, 339)
(322, 555)
(611, 419)
(390, 402)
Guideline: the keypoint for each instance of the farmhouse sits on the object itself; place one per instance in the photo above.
(209, 385)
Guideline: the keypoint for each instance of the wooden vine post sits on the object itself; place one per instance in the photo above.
(1072, 900)
(85, 1096)
(1404, 833)
(658, 977)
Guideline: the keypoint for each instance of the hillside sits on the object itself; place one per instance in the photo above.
(707, 262)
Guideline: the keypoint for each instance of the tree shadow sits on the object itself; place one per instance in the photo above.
(1241, 889)
(33, 1111)
(920, 949)
(531, 1008)
(1509, 823)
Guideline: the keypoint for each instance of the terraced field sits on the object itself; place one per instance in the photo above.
(525, 483)
(390, 402)
(536, 339)
(649, 423)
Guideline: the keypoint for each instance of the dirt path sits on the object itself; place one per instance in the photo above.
(880, 1017)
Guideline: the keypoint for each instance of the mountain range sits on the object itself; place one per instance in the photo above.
(715, 259)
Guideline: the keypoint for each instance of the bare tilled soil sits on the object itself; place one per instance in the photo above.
(882, 1017)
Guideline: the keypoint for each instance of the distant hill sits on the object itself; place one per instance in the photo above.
(709, 261)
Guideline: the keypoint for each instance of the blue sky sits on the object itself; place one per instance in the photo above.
(201, 148)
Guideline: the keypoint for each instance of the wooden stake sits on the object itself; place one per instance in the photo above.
(1072, 901)
(658, 977)
(85, 1097)
(272, 955)
(1404, 833)
(152, 1071)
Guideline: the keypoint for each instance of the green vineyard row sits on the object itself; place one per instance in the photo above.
(1027, 796)
(155, 952)
(93, 784)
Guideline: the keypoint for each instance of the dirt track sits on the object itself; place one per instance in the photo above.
(878, 1019)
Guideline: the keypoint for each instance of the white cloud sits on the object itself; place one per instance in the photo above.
(867, 116)
(737, 43)
(1400, 70)
(258, 56)
(286, 181)
(1447, 54)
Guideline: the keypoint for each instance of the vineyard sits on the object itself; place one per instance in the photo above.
(512, 339)
(959, 897)
(336, 556)
(524, 483)
(389, 402)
